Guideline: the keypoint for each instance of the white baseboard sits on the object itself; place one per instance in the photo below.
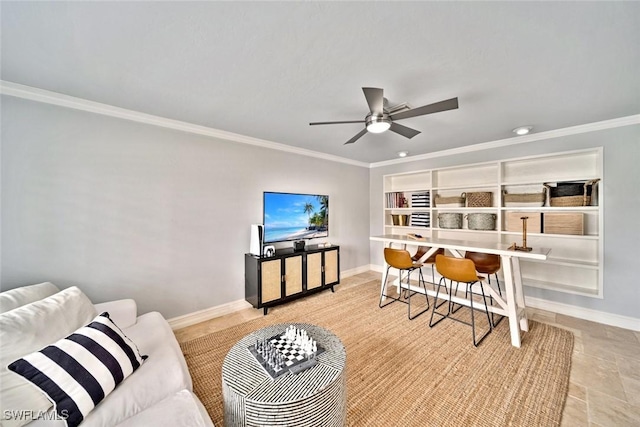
(377, 268)
(354, 271)
(571, 310)
(207, 314)
(585, 313)
(189, 319)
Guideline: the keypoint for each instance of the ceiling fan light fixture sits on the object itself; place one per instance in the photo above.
(378, 127)
(378, 124)
(522, 130)
(381, 118)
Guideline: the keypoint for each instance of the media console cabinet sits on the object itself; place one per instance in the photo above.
(289, 274)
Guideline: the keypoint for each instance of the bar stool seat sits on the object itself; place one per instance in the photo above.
(459, 270)
(400, 259)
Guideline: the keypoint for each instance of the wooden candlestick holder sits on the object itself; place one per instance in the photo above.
(524, 247)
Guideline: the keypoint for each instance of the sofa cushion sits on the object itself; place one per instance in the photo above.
(27, 329)
(163, 374)
(77, 372)
(181, 408)
(14, 298)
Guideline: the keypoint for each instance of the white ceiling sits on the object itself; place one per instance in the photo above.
(267, 69)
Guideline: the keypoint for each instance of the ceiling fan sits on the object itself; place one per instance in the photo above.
(380, 118)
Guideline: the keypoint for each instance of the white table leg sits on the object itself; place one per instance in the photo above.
(512, 307)
(517, 278)
(456, 253)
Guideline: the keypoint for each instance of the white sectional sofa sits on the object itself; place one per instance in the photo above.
(158, 393)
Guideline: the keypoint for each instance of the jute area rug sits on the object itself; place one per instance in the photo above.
(403, 373)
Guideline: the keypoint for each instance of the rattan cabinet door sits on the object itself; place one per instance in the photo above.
(331, 267)
(293, 275)
(314, 270)
(271, 280)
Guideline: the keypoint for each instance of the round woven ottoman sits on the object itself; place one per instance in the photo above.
(314, 397)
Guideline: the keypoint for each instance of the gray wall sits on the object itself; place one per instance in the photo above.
(621, 184)
(126, 210)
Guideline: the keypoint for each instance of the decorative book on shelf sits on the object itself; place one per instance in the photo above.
(396, 200)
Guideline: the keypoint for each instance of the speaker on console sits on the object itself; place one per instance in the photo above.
(257, 239)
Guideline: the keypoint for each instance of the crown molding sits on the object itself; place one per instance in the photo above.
(573, 130)
(54, 98)
(48, 97)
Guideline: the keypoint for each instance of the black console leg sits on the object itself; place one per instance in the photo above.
(332, 289)
(265, 310)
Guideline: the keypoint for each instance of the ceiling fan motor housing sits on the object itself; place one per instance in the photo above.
(377, 123)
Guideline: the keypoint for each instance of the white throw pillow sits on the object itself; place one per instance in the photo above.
(77, 372)
(27, 329)
(14, 298)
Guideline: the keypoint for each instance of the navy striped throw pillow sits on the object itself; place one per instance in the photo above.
(77, 372)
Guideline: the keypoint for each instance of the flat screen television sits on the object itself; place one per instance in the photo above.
(292, 216)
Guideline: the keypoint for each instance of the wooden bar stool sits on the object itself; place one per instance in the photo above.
(487, 264)
(400, 259)
(459, 270)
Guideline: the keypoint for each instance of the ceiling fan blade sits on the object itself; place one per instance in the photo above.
(449, 104)
(336, 123)
(357, 137)
(403, 130)
(375, 99)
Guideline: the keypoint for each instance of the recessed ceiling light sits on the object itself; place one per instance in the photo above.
(403, 153)
(522, 130)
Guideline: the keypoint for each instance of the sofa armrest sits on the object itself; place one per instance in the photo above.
(123, 312)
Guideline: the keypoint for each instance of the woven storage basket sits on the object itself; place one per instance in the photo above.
(481, 221)
(564, 223)
(524, 199)
(400, 219)
(583, 199)
(480, 199)
(570, 201)
(456, 201)
(450, 220)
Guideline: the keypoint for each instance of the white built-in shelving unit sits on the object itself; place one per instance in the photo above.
(575, 264)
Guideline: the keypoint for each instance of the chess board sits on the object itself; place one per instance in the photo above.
(294, 358)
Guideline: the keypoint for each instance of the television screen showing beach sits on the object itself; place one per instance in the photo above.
(295, 216)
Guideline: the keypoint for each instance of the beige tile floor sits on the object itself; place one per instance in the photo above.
(605, 369)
